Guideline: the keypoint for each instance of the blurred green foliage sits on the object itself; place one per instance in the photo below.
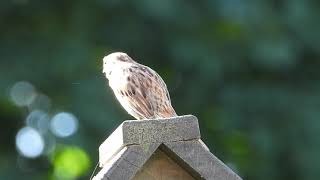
(249, 70)
(70, 163)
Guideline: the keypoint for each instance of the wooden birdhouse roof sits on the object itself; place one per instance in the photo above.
(159, 149)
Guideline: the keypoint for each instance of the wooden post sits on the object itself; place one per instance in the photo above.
(160, 149)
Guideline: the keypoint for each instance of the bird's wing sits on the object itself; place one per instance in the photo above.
(133, 106)
(133, 95)
(144, 94)
(158, 94)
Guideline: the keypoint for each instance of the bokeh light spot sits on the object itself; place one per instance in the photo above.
(64, 124)
(23, 93)
(70, 163)
(29, 142)
(38, 119)
(42, 102)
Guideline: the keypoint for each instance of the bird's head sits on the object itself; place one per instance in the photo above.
(114, 59)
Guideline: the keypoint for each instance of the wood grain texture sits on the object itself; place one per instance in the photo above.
(161, 167)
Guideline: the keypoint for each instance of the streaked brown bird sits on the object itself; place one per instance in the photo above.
(138, 88)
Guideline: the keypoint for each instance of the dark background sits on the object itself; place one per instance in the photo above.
(249, 70)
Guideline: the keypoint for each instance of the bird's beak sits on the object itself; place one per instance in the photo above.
(103, 69)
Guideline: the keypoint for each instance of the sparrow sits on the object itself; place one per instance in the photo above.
(139, 89)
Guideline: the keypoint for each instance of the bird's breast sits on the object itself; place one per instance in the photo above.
(117, 79)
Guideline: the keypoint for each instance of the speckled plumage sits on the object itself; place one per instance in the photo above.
(138, 88)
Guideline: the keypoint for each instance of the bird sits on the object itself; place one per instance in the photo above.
(140, 90)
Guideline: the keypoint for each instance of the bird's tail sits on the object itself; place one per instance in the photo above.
(166, 113)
